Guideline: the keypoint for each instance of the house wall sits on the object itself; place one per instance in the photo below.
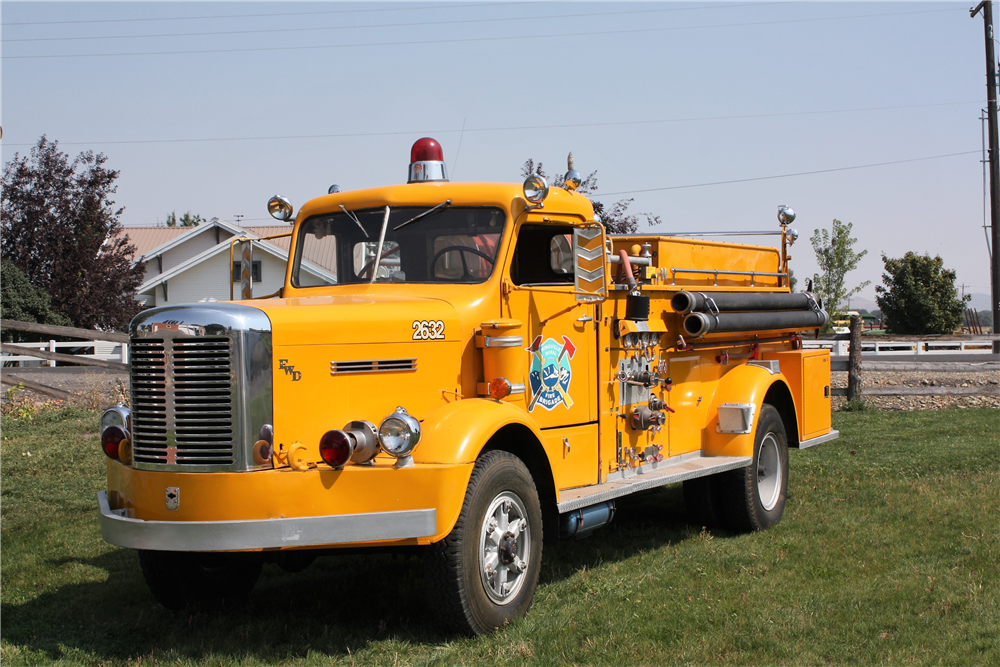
(195, 246)
(209, 279)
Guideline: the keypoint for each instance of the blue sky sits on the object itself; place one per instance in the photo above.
(291, 97)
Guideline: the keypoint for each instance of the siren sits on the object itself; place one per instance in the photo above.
(427, 161)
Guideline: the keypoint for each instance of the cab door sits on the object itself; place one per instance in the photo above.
(560, 332)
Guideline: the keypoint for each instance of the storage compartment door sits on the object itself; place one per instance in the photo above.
(815, 395)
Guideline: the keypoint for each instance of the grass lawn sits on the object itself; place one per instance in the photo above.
(887, 554)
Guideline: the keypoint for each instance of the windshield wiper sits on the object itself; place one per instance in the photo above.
(350, 214)
(440, 206)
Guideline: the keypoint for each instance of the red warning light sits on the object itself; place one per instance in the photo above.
(426, 150)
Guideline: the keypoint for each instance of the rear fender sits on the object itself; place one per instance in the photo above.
(743, 384)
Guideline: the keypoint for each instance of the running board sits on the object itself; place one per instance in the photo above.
(650, 476)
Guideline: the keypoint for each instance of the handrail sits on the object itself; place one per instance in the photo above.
(240, 239)
(753, 233)
(753, 274)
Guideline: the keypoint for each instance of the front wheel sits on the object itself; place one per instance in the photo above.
(486, 571)
(754, 497)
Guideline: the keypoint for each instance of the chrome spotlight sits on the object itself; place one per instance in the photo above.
(280, 208)
(786, 215)
(535, 189)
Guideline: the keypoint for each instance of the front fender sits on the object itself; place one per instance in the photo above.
(743, 384)
(457, 432)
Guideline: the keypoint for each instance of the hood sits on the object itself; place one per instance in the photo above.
(351, 319)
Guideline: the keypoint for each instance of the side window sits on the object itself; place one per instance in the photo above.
(543, 256)
(561, 254)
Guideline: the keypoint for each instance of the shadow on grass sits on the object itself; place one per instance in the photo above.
(339, 604)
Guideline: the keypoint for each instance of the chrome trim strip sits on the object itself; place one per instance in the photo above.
(502, 341)
(772, 366)
(681, 468)
(372, 366)
(262, 533)
(832, 435)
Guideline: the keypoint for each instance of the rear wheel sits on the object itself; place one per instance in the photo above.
(178, 578)
(754, 497)
(486, 571)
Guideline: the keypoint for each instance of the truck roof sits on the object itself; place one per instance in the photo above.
(460, 194)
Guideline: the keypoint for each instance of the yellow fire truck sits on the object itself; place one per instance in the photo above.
(468, 369)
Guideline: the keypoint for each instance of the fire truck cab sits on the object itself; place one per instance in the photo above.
(471, 369)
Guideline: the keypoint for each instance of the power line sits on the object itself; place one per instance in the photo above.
(478, 39)
(801, 173)
(555, 126)
(767, 178)
(387, 25)
(394, 8)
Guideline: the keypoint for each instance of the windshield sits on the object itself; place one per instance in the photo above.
(449, 245)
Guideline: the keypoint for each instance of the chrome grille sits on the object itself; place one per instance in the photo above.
(149, 395)
(182, 396)
(372, 366)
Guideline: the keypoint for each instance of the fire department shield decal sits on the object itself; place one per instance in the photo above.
(550, 374)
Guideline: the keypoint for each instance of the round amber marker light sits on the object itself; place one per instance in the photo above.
(500, 388)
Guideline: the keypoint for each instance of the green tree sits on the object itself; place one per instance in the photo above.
(615, 218)
(919, 296)
(62, 229)
(186, 220)
(836, 258)
(23, 302)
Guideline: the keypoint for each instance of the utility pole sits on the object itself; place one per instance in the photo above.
(991, 87)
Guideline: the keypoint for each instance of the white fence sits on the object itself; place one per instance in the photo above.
(104, 350)
(928, 346)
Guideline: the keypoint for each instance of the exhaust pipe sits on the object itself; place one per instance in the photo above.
(695, 302)
(699, 324)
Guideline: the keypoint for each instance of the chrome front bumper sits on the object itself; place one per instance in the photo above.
(118, 529)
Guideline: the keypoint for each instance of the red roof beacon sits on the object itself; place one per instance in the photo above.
(427, 161)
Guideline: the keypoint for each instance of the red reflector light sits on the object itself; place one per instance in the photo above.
(426, 150)
(111, 437)
(500, 388)
(336, 447)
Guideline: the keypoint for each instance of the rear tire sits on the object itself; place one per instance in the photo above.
(177, 578)
(484, 574)
(754, 497)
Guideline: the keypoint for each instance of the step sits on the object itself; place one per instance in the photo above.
(669, 471)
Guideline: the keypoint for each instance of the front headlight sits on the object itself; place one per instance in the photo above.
(399, 434)
(117, 416)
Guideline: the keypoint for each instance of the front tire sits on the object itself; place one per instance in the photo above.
(486, 571)
(177, 579)
(755, 495)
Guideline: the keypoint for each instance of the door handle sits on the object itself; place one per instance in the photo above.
(585, 318)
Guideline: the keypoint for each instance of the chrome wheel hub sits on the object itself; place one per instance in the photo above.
(769, 472)
(504, 545)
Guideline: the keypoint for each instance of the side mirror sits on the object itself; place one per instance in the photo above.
(590, 275)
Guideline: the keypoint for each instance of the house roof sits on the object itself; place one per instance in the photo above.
(153, 241)
(146, 239)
